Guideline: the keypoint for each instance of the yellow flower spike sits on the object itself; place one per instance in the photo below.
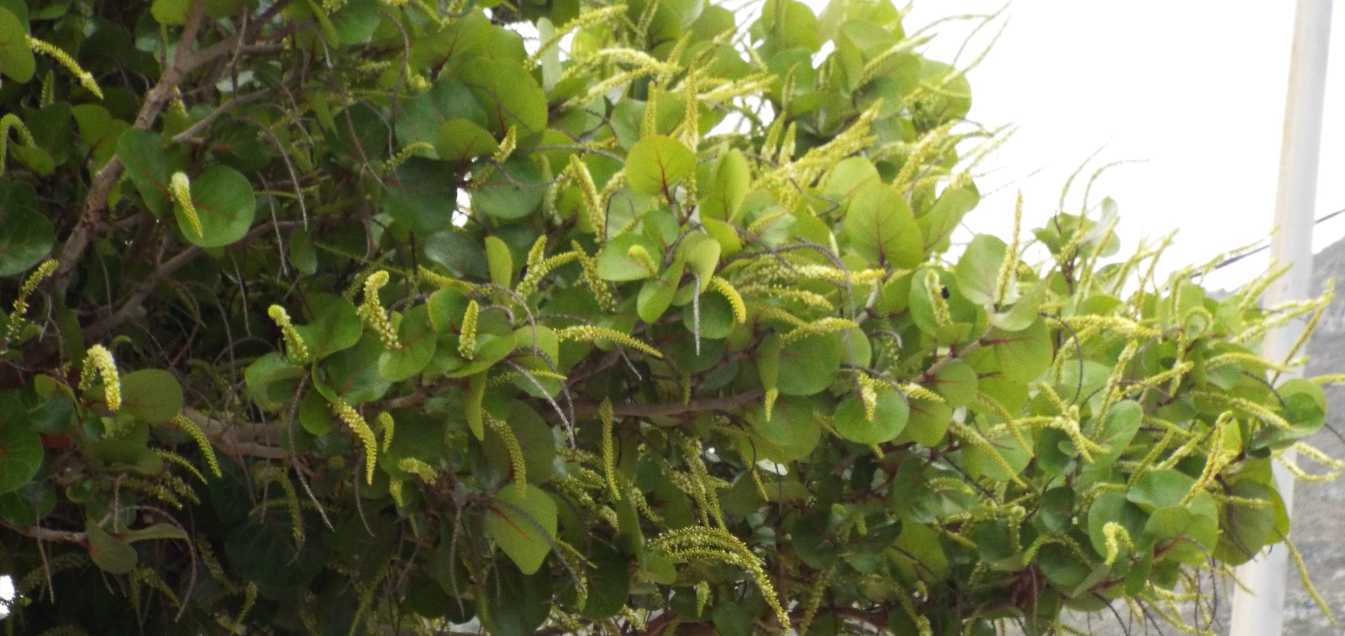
(9, 122)
(407, 151)
(98, 361)
(588, 266)
(518, 466)
(278, 476)
(868, 394)
(608, 448)
(467, 337)
(507, 145)
(541, 269)
(1307, 581)
(20, 306)
(48, 90)
(388, 426)
(181, 462)
(197, 435)
(57, 53)
(180, 188)
(373, 313)
(934, 291)
(594, 333)
(1010, 264)
(420, 469)
(640, 255)
(725, 289)
(772, 394)
(699, 543)
(362, 432)
(295, 347)
(826, 325)
(593, 206)
(395, 491)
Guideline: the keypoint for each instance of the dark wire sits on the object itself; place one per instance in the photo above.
(1265, 247)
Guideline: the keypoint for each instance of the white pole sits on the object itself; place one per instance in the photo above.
(1260, 611)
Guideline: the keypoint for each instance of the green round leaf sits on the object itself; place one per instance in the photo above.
(152, 395)
(28, 235)
(110, 554)
(809, 364)
(224, 204)
(509, 95)
(417, 338)
(460, 140)
(790, 434)
(334, 326)
(881, 228)
(657, 163)
(20, 456)
(522, 522)
(16, 59)
(889, 418)
(513, 190)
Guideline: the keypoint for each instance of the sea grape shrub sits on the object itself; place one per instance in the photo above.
(382, 316)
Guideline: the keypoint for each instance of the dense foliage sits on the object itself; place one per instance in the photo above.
(345, 315)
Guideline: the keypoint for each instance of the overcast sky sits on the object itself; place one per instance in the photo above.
(1194, 89)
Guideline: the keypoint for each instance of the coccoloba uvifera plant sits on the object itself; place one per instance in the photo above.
(655, 327)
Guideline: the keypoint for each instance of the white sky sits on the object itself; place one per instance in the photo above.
(1194, 89)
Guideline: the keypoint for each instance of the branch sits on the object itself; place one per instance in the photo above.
(185, 59)
(47, 534)
(250, 439)
(146, 287)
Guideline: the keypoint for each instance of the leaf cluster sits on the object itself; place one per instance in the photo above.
(377, 316)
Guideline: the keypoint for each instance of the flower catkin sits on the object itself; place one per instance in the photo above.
(180, 187)
(98, 361)
(20, 306)
(197, 435)
(362, 432)
(295, 347)
(57, 53)
(372, 312)
(593, 333)
(467, 337)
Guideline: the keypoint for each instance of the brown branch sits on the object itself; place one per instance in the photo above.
(185, 60)
(128, 309)
(47, 534)
(240, 439)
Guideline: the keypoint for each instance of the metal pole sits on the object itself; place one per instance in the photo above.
(1260, 611)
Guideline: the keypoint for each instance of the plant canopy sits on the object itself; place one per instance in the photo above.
(560, 316)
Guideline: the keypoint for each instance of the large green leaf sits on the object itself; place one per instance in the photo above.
(423, 115)
(109, 553)
(511, 191)
(224, 204)
(20, 456)
(809, 364)
(723, 195)
(522, 522)
(16, 59)
(657, 163)
(509, 95)
(978, 268)
(417, 338)
(422, 195)
(152, 395)
(28, 235)
(790, 434)
(889, 418)
(141, 152)
(881, 228)
(334, 325)
(460, 140)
